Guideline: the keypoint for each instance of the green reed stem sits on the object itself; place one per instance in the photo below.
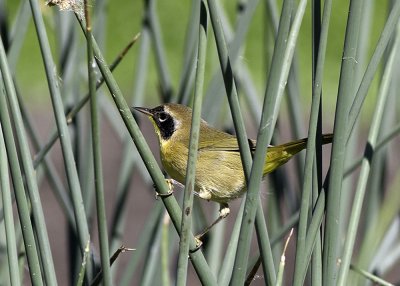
(161, 59)
(193, 149)
(22, 204)
(346, 88)
(30, 176)
(69, 161)
(311, 144)
(98, 166)
(366, 164)
(231, 91)
(18, 31)
(12, 255)
(281, 63)
(373, 65)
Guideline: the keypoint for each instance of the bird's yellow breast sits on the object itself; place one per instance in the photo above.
(174, 159)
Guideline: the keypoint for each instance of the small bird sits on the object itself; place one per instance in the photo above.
(219, 173)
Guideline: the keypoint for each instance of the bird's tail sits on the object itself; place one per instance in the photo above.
(279, 155)
(298, 145)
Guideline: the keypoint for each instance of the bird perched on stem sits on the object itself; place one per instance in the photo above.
(219, 172)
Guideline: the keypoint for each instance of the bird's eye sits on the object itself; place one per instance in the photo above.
(162, 116)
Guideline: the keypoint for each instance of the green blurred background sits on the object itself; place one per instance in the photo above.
(123, 22)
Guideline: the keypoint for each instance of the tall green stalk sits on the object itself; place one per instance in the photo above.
(346, 88)
(20, 196)
(369, 74)
(30, 176)
(98, 169)
(365, 166)
(8, 215)
(69, 161)
(155, 33)
(193, 149)
(311, 145)
(272, 99)
(231, 91)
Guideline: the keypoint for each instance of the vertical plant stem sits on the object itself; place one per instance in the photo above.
(373, 65)
(211, 102)
(98, 169)
(227, 266)
(69, 161)
(282, 263)
(272, 99)
(193, 147)
(22, 204)
(155, 32)
(8, 215)
(48, 165)
(30, 176)
(265, 246)
(313, 231)
(81, 275)
(18, 31)
(231, 91)
(366, 164)
(346, 88)
(311, 144)
(165, 242)
(380, 225)
(190, 55)
(366, 82)
(230, 87)
(293, 90)
(316, 262)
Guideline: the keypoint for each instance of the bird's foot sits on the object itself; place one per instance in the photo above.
(170, 183)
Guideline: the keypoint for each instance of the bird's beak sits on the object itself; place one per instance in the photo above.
(142, 110)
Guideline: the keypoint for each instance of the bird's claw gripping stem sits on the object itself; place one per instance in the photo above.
(170, 183)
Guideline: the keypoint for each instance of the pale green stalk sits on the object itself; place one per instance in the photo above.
(97, 159)
(8, 215)
(346, 88)
(272, 102)
(30, 175)
(193, 149)
(365, 166)
(20, 196)
(69, 161)
(311, 144)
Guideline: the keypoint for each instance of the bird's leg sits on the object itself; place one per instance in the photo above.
(170, 183)
(223, 213)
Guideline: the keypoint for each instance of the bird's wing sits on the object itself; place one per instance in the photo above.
(228, 144)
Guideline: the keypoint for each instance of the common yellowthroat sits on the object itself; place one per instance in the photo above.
(219, 172)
